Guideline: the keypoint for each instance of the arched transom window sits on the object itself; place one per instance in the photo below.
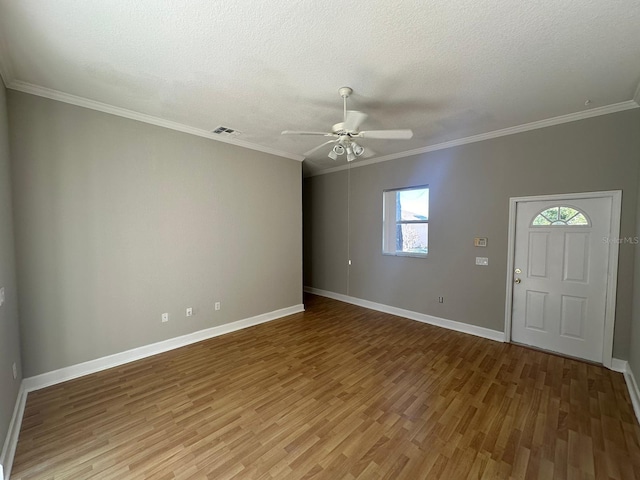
(560, 215)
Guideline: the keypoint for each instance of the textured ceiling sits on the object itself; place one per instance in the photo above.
(447, 70)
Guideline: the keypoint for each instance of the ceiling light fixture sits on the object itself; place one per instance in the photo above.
(350, 154)
(351, 148)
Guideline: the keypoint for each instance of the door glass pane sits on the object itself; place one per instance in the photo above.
(579, 219)
(560, 215)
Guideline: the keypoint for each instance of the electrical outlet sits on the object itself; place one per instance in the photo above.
(217, 305)
(484, 261)
(1, 296)
(440, 299)
(165, 317)
(15, 371)
(190, 312)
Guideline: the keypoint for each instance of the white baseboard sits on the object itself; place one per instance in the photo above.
(74, 371)
(419, 317)
(634, 392)
(623, 367)
(618, 365)
(68, 373)
(11, 442)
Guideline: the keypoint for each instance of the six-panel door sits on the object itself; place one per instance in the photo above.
(559, 296)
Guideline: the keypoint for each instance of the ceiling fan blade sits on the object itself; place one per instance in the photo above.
(387, 134)
(353, 120)
(295, 132)
(318, 148)
(368, 153)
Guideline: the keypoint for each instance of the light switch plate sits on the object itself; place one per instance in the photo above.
(480, 241)
(484, 261)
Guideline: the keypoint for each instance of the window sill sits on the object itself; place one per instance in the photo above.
(405, 254)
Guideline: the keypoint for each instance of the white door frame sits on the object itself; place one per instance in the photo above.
(612, 269)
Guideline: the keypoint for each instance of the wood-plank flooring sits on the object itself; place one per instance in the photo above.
(337, 392)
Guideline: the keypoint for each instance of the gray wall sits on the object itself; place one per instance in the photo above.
(117, 221)
(634, 338)
(9, 332)
(470, 187)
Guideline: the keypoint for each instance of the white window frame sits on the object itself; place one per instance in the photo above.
(389, 222)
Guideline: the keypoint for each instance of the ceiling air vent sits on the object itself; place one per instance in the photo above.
(229, 132)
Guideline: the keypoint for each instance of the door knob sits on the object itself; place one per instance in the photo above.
(517, 280)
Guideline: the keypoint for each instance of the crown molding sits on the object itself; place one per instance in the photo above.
(141, 117)
(549, 122)
(7, 76)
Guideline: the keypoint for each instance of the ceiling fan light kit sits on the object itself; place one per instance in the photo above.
(345, 132)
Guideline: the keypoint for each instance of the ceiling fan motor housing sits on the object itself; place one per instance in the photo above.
(338, 128)
(345, 91)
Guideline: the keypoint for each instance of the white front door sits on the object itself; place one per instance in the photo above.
(560, 275)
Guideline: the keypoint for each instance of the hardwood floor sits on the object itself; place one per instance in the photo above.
(336, 392)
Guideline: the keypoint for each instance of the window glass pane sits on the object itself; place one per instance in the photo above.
(405, 221)
(567, 212)
(551, 213)
(579, 219)
(561, 215)
(540, 220)
(414, 238)
(412, 204)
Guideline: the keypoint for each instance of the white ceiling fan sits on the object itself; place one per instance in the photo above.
(344, 133)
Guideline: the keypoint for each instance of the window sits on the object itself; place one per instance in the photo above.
(406, 221)
(560, 215)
